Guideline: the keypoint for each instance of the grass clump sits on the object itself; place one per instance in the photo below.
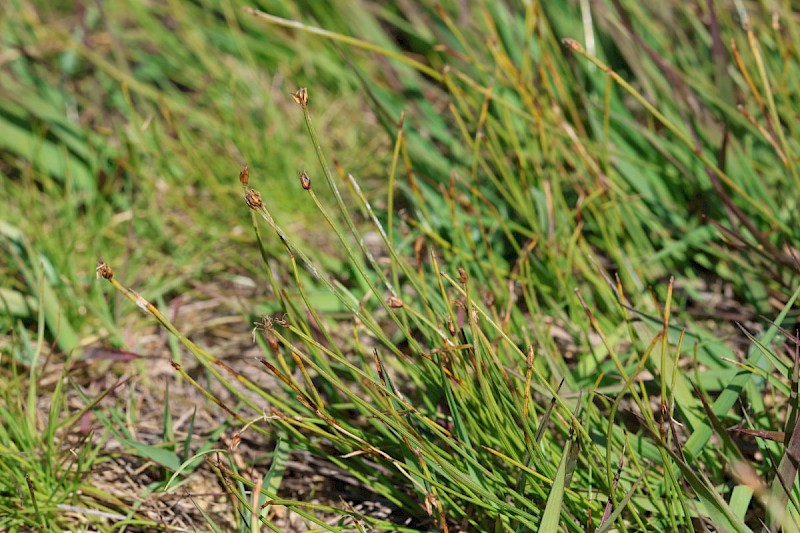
(44, 456)
(531, 324)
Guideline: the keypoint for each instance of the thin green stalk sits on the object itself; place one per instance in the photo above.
(346, 39)
(682, 136)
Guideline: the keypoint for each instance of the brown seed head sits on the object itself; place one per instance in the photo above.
(244, 175)
(265, 324)
(253, 199)
(462, 276)
(394, 302)
(103, 270)
(300, 96)
(488, 298)
(305, 181)
(281, 320)
(572, 44)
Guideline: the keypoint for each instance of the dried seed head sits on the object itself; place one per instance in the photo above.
(103, 270)
(253, 199)
(462, 276)
(244, 175)
(572, 44)
(265, 324)
(488, 298)
(301, 96)
(305, 181)
(394, 302)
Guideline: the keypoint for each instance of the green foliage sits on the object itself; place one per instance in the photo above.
(43, 472)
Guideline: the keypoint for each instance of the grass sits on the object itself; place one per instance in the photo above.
(538, 271)
(37, 469)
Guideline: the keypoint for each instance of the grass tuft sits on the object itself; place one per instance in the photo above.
(538, 269)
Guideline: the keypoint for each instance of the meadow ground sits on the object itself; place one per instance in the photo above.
(399, 266)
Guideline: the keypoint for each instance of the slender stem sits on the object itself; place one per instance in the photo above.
(352, 41)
